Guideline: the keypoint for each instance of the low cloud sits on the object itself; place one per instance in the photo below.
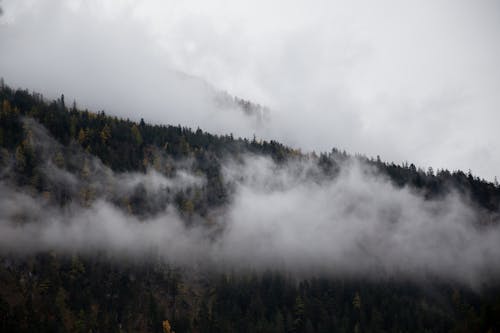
(357, 223)
(290, 217)
(341, 84)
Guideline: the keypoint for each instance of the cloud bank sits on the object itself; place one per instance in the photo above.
(288, 217)
(415, 81)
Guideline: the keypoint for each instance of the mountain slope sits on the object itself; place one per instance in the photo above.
(113, 225)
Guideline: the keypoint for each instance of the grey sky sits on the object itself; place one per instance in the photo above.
(415, 81)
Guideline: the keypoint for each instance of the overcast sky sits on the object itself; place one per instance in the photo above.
(414, 81)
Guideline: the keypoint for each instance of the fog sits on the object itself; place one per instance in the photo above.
(357, 224)
(417, 83)
(106, 64)
(289, 217)
(409, 82)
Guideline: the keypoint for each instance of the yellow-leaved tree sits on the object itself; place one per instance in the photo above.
(166, 327)
(105, 134)
(136, 134)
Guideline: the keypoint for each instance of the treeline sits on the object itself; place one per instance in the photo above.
(120, 144)
(124, 145)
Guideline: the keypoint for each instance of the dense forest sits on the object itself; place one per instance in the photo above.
(50, 291)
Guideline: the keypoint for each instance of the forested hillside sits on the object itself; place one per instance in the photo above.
(56, 159)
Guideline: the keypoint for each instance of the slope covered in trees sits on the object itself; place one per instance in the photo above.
(64, 157)
(127, 146)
